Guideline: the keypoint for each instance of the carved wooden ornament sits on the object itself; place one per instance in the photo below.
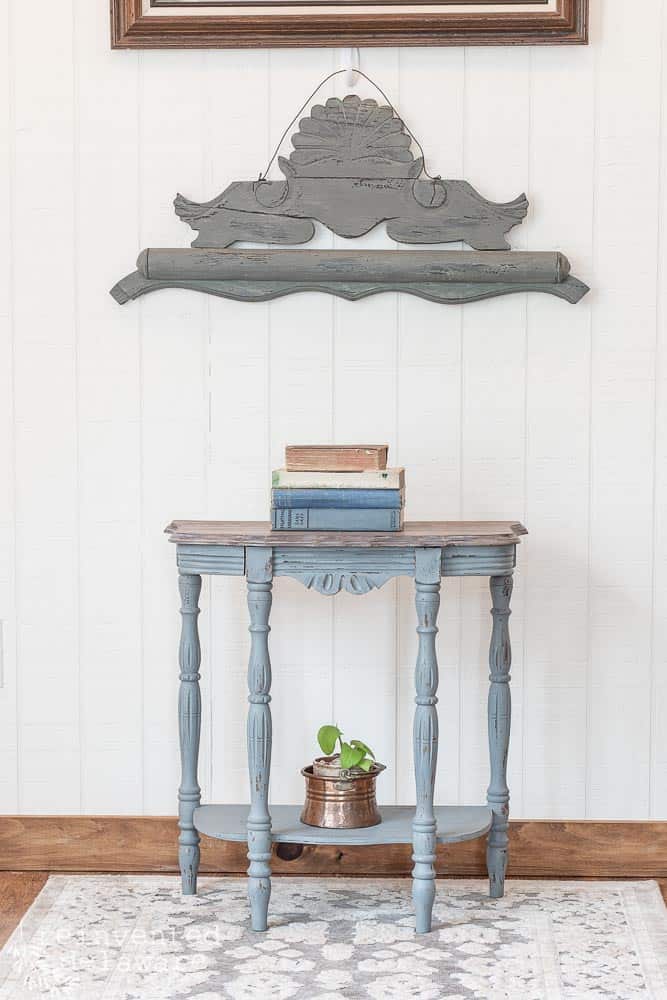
(351, 170)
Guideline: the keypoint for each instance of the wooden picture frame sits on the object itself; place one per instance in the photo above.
(192, 24)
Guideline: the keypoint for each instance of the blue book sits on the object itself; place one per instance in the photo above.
(337, 499)
(328, 519)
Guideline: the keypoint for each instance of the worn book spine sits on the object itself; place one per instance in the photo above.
(372, 479)
(336, 458)
(338, 499)
(326, 519)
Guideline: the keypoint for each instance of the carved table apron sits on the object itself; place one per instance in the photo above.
(356, 562)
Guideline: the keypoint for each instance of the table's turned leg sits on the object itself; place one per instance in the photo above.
(259, 577)
(189, 724)
(425, 735)
(500, 714)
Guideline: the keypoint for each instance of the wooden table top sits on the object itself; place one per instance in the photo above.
(420, 534)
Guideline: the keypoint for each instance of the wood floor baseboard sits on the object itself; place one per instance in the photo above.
(538, 849)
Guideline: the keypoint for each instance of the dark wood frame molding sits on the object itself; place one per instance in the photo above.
(538, 849)
(131, 29)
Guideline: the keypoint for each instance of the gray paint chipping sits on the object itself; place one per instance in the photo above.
(351, 170)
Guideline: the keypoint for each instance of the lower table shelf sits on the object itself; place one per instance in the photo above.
(454, 824)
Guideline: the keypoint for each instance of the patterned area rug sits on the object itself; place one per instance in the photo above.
(121, 937)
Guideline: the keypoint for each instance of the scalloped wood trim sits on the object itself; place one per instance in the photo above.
(453, 293)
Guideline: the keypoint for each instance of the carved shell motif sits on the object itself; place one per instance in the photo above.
(354, 583)
(351, 138)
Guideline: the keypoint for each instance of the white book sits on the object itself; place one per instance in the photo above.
(370, 479)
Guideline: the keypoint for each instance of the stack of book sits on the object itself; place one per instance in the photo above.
(337, 488)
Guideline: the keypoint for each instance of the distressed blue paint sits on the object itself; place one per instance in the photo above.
(356, 570)
(455, 824)
(500, 714)
(457, 560)
(478, 560)
(189, 724)
(216, 560)
(259, 577)
(425, 735)
(299, 562)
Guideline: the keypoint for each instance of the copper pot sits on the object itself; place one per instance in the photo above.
(340, 800)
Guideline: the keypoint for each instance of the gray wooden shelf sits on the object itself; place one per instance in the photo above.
(454, 824)
(341, 176)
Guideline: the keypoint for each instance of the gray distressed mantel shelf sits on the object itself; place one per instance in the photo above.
(350, 170)
(356, 562)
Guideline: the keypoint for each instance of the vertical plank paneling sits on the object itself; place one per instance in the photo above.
(428, 417)
(8, 674)
(554, 566)
(496, 144)
(120, 419)
(623, 414)
(493, 399)
(46, 412)
(658, 679)
(364, 407)
(300, 410)
(237, 141)
(109, 427)
(174, 417)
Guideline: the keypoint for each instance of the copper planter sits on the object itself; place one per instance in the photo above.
(340, 800)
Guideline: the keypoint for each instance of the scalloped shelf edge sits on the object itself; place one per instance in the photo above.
(134, 285)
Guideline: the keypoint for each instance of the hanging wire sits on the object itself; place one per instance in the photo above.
(337, 72)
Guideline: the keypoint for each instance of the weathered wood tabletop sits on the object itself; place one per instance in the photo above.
(421, 534)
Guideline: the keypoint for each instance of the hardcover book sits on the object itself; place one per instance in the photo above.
(337, 498)
(371, 479)
(336, 458)
(327, 519)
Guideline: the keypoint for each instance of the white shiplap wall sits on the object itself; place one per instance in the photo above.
(115, 420)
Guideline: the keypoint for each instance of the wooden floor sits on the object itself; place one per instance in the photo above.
(19, 889)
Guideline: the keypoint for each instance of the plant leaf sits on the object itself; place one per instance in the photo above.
(349, 756)
(327, 737)
(365, 764)
(363, 746)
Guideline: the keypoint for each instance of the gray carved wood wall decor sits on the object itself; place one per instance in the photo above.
(351, 169)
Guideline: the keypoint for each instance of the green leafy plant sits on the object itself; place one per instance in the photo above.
(353, 754)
